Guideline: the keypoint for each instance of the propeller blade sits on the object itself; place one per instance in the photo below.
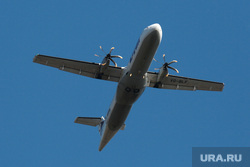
(111, 50)
(114, 62)
(97, 55)
(102, 49)
(117, 56)
(173, 69)
(164, 58)
(166, 64)
(157, 61)
(174, 61)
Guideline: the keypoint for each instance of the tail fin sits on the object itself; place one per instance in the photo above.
(91, 121)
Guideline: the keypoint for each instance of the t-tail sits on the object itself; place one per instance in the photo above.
(101, 123)
(91, 121)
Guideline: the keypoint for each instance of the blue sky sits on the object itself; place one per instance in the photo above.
(210, 40)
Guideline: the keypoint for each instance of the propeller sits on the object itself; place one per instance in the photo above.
(109, 57)
(166, 65)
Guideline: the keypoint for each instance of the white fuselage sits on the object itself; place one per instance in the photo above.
(132, 83)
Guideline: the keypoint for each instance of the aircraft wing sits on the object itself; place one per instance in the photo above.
(80, 67)
(183, 83)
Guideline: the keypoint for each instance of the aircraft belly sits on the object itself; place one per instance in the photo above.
(118, 116)
(130, 89)
(146, 53)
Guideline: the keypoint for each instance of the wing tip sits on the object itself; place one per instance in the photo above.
(76, 120)
(35, 58)
(222, 86)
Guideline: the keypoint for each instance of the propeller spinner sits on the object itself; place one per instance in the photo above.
(166, 65)
(109, 57)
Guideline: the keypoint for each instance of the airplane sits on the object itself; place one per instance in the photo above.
(132, 80)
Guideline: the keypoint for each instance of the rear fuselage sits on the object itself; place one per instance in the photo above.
(132, 83)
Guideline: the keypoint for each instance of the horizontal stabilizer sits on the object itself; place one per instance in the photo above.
(92, 121)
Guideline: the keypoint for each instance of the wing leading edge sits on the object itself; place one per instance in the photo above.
(183, 83)
(80, 67)
(114, 74)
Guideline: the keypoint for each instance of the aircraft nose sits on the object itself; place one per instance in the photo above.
(155, 26)
(152, 29)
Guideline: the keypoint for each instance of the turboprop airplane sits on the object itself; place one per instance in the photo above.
(132, 80)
